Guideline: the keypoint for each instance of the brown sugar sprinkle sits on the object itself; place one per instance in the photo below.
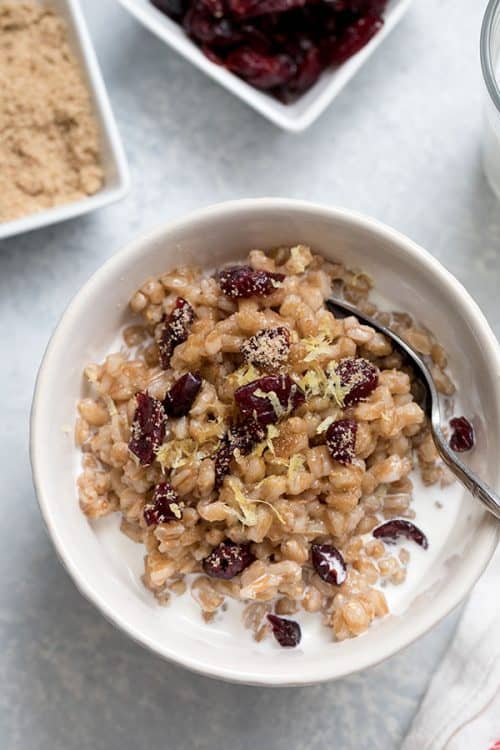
(240, 505)
(358, 378)
(180, 321)
(268, 350)
(174, 330)
(341, 440)
(49, 145)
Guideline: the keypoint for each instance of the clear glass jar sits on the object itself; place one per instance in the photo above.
(490, 62)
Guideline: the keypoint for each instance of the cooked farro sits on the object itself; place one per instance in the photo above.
(267, 455)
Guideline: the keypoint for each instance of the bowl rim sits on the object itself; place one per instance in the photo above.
(486, 537)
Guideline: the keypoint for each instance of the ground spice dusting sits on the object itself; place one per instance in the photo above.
(49, 141)
(268, 349)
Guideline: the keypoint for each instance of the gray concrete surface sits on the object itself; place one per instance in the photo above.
(401, 143)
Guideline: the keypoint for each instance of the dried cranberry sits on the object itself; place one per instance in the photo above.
(308, 72)
(240, 437)
(206, 29)
(341, 440)
(392, 530)
(164, 506)
(243, 281)
(358, 377)
(174, 330)
(462, 438)
(173, 8)
(227, 560)
(215, 7)
(212, 55)
(246, 434)
(269, 398)
(286, 632)
(368, 6)
(261, 70)
(249, 8)
(328, 563)
(223, 459)
(148, 428)
(182, 394)
(355, 37)
(268, 349)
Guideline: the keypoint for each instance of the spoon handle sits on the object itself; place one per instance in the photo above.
(473, 483)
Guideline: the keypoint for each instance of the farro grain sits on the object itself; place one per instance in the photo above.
(297, 492)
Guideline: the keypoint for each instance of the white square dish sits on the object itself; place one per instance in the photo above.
(116, 172)
(293, 117)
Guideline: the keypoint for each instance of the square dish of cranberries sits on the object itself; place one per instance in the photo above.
(288, 59)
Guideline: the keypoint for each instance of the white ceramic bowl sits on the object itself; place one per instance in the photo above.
(294, 117)
(116, 172)
(413, 280)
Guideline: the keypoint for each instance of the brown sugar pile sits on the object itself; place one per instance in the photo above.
(49, 140)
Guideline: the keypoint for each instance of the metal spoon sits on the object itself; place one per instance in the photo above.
(476, 486)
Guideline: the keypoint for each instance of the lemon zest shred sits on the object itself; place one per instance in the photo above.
(175, 454)
(175, 508)
(110, 405)
(336, 391)
(274, 510)
(318, 352)
(317, 346)
(272, 432)
(245, 374)
(248, 511)
(279, 461)
(267, 444)
(316, 382)
(324, 425)
(259, 449)
(272, 396)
